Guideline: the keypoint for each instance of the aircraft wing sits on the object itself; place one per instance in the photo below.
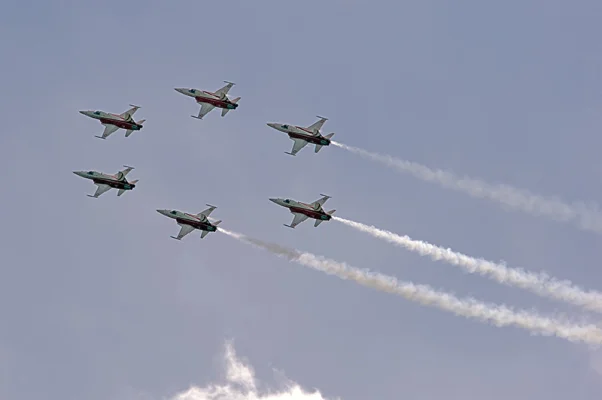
(109, 129)
(316, 126)
(121, 174)
(297, 145)
(100, 189)
(297, 219)
(224, 90)
(207, 211)
(127, 115)
(320, 201)
(184, 230)
(205, 109)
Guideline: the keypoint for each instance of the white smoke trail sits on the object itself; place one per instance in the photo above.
(497, 315)
(586, 217)
(242, 385)
(540, 283)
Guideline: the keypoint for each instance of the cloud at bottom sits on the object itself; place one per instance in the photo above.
(241, 384)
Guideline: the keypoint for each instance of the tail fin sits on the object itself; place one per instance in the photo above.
(134, 181)
(216, 223)
(225, 110)
(319, 146)
(330, 212)
(142, 121)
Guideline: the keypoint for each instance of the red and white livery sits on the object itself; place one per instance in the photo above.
(210, 100)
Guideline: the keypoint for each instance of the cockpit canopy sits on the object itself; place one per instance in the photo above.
(192, 91)
(287, 201)
(285, 126)
(96, 112)
(90, 172)
(173, 212)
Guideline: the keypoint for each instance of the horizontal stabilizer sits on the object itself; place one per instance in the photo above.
(318, 147)
(329, 135)
(120, 192)
(289, 226)
(204, 233)
(330, 212)
(225, 111)
(173, 237)
(128, 133)
(318, 222)
(235, 100)
(143, 121)
(290, 154)
(216, 223)
(100, 137)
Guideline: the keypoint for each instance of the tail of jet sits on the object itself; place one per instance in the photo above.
(319, 221)
(225, 110)
(129, 132)
(319, 146)
(205, 233)
(122, 191)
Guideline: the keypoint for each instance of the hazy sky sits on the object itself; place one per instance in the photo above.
(97, 302)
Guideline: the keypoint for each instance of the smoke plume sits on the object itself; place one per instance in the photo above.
(497, 315)
(540, 283)
(585, 217)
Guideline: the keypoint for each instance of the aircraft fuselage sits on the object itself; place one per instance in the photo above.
(200, 223)
(216, 102)
(302, 208)
(104, 179)
(112, 119)
(317, 139)
(128, 125)
(311, 213)
(297, 132)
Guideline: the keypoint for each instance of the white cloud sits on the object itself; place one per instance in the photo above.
(241, 384)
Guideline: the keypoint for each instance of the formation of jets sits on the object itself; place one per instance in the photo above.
(301, 137)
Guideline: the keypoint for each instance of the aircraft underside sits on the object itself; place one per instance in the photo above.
(213, 102)
(203, 226)
(310, 213)
(309, 138)
(120, 124)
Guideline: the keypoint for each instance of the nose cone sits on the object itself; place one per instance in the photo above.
(164, 212)
(182, 90)
(87, 113)
(83, 174)
(273, 125)
(274, 201)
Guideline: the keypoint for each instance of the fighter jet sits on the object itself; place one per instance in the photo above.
(190, 222)
(302, 211)
(112, 122)
(210, 100)
(302, 136)
(106, 182)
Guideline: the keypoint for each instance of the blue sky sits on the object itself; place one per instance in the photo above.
(98, 302)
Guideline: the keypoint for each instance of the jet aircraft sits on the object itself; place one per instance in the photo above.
(112, 122)
(210, 100)
(190, 222)
(302, 211)
(106, 182)
(302, 136)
